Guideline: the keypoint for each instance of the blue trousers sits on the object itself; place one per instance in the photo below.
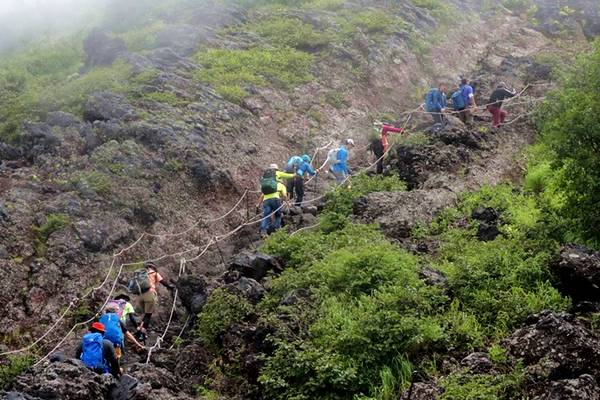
(271, 206)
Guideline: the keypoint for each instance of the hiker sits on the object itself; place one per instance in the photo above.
(116, 331)
(495, 104)
(435, 103)
(273, 194)
(125, 310)
(97, 353)
(144, 283)
(339, 159)
(379, 146)
(463, 101)
(301, 167)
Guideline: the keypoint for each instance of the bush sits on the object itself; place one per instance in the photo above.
(220, 311)
(14, 367)
(230, 71)
(291, 32)
(54, 222)
(143, 38)
(341, 200)
(466, 386)
(568, 125)
(95, 181)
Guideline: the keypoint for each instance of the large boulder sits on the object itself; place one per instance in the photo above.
(554, 347)
(101, 49)
(254, 265)
(583, 387)
(398, 212)
(423, 391)
(63, 380)
(192, 290)
(578, 269)
(248, 288)
(37, 139)
(105, 106)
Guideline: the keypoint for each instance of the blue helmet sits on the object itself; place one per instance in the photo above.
(306, 158)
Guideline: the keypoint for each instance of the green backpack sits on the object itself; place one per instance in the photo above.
(268, 183)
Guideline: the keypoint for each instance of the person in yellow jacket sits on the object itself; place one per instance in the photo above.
(273, 195)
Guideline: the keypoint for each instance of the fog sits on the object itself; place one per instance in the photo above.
(24, 20)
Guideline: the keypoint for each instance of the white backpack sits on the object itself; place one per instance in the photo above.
(332, 156)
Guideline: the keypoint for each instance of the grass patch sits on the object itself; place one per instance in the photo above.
(14, 367)
(231, 71)
(54, 222)
(166, 98)
(291, 32)
(94, 181)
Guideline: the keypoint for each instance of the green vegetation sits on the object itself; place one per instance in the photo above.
(232, 70)
(94, 181)
(369, 319)
(143, 38)
(291, 32)
(222, 309)
(468, 386)
(566, 164)
(54, 222)
(166, 98)
(13, 368)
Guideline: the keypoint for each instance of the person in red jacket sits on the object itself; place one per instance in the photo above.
(380, 147)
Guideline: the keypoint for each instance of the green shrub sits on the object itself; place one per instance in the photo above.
(220, 311)
(142, 38)
(336, 98)
(53, 223)
(341, 200)
(12, 368)
(568, 124)
(95, 181)
(466, 386)
(166, 97)
(291, 32)
(230, 71)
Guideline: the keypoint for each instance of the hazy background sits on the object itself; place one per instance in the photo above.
(24, 20)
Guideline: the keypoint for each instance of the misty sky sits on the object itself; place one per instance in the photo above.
(22, 20)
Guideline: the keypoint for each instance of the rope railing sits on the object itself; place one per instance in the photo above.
(213, 241)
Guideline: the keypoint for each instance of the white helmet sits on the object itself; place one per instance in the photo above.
(273, 166)
(350, 142)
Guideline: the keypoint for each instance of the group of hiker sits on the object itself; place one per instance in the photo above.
(463, 103)
(278, 186)
(103, 347)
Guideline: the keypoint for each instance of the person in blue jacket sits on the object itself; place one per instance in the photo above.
(340, 161)
(435, 103)
(298, 182)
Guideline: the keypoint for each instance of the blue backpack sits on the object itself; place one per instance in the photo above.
(458, 101)
(430, 100)
(92, 354)
(113, 332)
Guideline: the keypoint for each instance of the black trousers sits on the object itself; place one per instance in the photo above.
(297, 190)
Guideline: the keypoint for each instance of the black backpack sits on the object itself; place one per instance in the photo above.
(268, 183)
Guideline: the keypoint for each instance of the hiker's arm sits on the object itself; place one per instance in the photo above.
(284, 175)
(393, 129)
(133, 340)
(310, 170)
(111, 358)
(167, 285)
(260, 200)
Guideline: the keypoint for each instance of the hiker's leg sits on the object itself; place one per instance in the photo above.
(502, 115)
(299, 188)
(264, 224)
(277, 209)
(380, 165)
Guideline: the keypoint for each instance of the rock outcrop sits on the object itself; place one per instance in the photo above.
(578, 269)
(398, 212)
